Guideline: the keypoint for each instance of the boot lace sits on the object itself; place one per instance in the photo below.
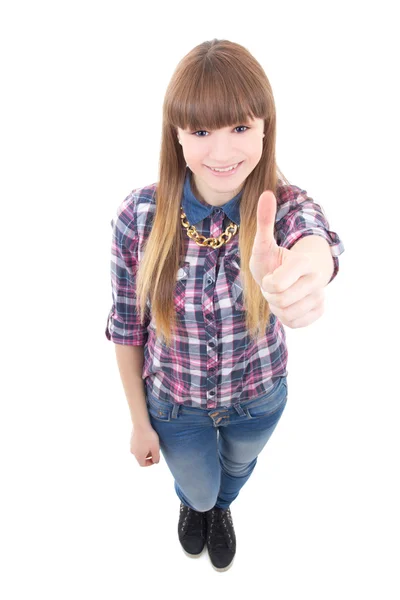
(192, 520)
(220, 528)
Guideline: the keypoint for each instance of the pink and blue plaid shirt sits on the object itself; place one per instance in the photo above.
(211, 363)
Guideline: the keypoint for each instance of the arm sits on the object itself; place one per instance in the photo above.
(123, 326)
(300, 222)
(319, 252)
(292, 275)
(130, 365)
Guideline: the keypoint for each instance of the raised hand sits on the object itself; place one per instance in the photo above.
(288, 281)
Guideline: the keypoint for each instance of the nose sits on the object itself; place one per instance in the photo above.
(222, 150)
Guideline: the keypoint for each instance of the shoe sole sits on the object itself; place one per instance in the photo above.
(221, 569)
(192, 555)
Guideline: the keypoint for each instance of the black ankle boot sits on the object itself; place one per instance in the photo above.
(192, 531)
(221, 538)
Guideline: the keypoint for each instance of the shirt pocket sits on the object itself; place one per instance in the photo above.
(181, 288)
(232, 270)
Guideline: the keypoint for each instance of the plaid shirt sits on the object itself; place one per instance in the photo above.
(211, 363)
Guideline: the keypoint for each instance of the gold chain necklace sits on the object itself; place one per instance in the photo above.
(211, 242)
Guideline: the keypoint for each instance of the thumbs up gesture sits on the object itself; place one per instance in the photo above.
(288, 280)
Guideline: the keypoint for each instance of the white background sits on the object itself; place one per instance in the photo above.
(82, 91)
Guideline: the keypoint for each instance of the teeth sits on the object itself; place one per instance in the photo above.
(224, 170)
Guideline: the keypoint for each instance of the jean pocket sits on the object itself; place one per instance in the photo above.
(268, 405)
(161, 411)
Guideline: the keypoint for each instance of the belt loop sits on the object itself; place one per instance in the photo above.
(239, 409)
(175, 410)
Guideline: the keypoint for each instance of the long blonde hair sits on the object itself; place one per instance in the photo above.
(217, 84)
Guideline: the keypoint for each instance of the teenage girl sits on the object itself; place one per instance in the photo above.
(208, 265)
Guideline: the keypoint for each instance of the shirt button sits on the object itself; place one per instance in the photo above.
(211, 344)
(212, 393)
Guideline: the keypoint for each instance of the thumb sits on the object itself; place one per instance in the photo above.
(155, 452)
(266, 212)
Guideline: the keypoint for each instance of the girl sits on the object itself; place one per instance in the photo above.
(207, 266)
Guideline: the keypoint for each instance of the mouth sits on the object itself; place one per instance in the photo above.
(227, 171)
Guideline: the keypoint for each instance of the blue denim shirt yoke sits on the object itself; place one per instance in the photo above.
(196, 211)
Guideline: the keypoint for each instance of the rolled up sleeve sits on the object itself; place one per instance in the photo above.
(298, 216)
(123, 322)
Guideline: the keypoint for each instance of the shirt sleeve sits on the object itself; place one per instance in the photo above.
(123, 323)
(298, 216)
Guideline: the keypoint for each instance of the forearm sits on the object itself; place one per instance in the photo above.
(319, 252)
(130, 364)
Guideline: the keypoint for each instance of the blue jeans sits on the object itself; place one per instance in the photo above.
(211, 453)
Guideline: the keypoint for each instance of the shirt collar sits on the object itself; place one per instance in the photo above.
(196, 211)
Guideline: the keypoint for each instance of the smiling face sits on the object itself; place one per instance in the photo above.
(202, 149)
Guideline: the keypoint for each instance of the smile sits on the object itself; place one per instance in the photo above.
(227, 171)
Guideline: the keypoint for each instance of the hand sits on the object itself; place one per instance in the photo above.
(145, 446)
(288, 281)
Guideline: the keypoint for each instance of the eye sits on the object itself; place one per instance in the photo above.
(204, 131)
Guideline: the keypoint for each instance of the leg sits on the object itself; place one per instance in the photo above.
(188, 443)
(241, 441)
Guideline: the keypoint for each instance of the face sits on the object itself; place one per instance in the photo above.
(202, 149)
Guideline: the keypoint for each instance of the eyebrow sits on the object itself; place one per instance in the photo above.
(245, 122)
